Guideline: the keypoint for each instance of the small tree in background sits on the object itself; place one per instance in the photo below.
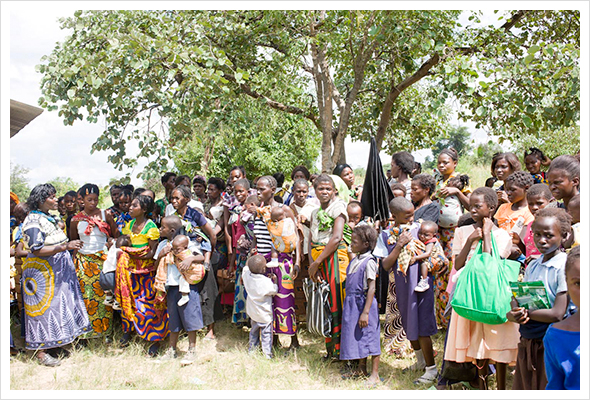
(19, 184)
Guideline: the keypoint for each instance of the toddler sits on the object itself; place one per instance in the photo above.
(107, 276)
(179, 253)
(433, 258)
(450, 206)
(260, 289)
(398, 190)
(282, 231)
(247, 216)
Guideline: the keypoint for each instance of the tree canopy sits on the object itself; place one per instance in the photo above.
(173, 79)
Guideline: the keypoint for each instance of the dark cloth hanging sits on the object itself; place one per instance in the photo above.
(376, 190)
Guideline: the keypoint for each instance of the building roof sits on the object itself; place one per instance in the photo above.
(20, 115)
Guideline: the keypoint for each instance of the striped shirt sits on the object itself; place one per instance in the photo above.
(263, 239)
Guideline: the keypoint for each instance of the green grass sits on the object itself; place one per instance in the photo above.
(223, 364)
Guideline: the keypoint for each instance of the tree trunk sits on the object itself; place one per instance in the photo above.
(394, 93)
(324, 94)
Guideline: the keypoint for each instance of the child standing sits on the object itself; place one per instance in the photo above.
(261, 290)
(562, 340)
(107, 275)
(416, 308)
(515, 213)
(123, 203)
(538, 197)
(470, 341)
(360, 336)
(564, 178)
(533, 159)
(433, 258)
(550, 228)
(188, 315)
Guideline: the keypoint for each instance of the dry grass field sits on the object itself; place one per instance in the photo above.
(222, 364)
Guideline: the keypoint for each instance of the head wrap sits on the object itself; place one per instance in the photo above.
(14, 197)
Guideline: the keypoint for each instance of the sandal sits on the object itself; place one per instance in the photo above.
(48, 361)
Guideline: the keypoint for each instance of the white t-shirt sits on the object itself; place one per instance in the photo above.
(196, 204)
(110, 265)
(173, 272)
(260, 290)
(370, 270)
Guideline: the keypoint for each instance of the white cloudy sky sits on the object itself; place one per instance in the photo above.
(47, 147)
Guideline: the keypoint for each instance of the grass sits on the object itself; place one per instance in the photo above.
(223, 364)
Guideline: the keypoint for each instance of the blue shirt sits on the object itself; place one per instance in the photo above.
(552, 274)
(562, 359)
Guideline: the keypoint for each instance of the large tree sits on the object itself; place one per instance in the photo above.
(359, 73)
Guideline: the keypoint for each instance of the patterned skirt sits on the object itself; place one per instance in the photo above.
(88, 267)
(239, 313)
(394, 336)
(151, 324)
(54, 308)
(333, 271)
(283, 303)
(441, 297)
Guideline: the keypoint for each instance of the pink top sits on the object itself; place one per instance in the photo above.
(529, 243)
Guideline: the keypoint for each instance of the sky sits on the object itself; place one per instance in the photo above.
(65, 152)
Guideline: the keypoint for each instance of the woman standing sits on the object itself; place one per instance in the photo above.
(447, 196)
(283, 304)
(198, 229)
(135, 274)
(422, 188)
(54, 308)
(94, 227)
(345, 172)
(329, 255)
(214, 212)
(402, 165)
(503, 165)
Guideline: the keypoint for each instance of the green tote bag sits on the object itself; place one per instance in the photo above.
(482, 292)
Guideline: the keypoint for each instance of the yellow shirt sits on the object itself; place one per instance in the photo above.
(149, 232)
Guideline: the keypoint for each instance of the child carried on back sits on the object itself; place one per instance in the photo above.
(282, 231)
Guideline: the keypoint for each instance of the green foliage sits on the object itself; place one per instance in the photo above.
(484, 152)
(264, 143)
(457, 137)
(523, 80)
(171, 80)
(63, 185)
(19, 184)
(553, 144)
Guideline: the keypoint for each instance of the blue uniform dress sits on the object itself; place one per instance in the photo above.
(357, 343)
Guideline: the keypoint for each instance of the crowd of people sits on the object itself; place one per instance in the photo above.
(243, 248)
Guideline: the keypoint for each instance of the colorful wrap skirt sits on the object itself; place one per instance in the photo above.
(88, 268)
(55, 313)
(333, 271)
(283, 303)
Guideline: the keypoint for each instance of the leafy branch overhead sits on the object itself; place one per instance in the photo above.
(171, 79)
